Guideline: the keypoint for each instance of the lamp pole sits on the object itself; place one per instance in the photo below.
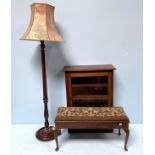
(46, 133)
(45, 95)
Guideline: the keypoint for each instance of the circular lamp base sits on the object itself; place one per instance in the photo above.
(45, 134)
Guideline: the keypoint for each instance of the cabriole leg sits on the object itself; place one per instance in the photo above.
(56, 139)
(126, 139)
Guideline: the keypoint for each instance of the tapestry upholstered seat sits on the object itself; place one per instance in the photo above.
(91, 113)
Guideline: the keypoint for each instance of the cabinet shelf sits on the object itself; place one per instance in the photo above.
(90, 97)
(89, 85)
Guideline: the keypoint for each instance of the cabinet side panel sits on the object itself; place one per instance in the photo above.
(110, 91)
(68, 89)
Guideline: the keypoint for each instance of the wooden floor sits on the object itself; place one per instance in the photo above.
(24, 142)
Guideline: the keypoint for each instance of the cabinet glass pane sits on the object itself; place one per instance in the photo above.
(90, 85)
(90, 80)
(90, 91)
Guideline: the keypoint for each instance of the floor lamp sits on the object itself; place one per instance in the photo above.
(42, 28)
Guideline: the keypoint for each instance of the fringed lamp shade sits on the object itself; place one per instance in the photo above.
(42, 25)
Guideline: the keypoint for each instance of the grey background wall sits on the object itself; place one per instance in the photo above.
(95, 32)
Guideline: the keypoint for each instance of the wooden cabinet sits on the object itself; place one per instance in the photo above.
(89, 85)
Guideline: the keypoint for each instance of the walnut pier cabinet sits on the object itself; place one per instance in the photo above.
(89, 85)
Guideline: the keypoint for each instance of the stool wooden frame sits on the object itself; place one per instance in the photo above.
(92, 125)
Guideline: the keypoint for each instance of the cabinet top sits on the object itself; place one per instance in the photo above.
(87, 68)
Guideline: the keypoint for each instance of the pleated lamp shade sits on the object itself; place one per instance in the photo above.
(42, 25)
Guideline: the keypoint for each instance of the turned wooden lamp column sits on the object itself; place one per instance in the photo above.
(42, 28)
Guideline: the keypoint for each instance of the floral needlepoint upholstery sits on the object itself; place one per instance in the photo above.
(91, 113)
